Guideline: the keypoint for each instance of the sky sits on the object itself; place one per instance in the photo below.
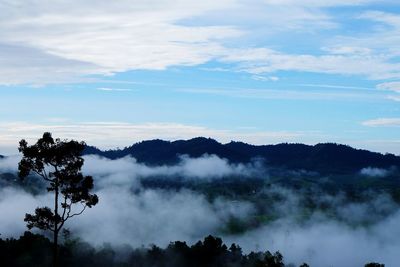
(268, 71)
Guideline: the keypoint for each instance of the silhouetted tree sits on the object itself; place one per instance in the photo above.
(32, 250)
(374, 264)
(271, 260)
(59, 163)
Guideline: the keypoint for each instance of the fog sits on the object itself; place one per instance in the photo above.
(375, 172)
(205, 167)
(130, 214)
(357, 234)
(9, 164)
(324, 242)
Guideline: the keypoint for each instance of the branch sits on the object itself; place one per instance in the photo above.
(63, 220)
(65, 208)
(43, 175)
(75, 214)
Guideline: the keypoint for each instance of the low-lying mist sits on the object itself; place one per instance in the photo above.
(337, 232)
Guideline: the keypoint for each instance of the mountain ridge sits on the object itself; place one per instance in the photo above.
(323, 157)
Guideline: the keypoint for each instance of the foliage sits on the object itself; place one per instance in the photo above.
(59, 163)
(328, 158)
(32, 250)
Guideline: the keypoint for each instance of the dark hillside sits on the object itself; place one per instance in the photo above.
(327, 158)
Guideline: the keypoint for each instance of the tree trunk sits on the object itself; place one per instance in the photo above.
(55, 249)
(55, 237)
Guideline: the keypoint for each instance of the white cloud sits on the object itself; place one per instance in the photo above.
(336, 86)
(126, 171)
(66, 39)
(347, 50)
(110, 135)
(360, 231)
(60, 41)
(394, 97)
(10, 163)
(113, 134)
(111, 89)
(372, 53)
(317, 3)
(390, 86)
(264, 60)
(265, 78)
(381, 35)
(159, 216)
(25, 64)
(12, 219)
(286, 94)
(383, 17)
(388, 122)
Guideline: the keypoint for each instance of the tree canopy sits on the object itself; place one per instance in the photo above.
(59, 163)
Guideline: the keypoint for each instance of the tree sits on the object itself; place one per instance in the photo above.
(59, 163)
(374, 264)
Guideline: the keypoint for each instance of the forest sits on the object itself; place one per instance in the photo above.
(153, 212)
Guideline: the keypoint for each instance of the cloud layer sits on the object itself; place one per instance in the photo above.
(359, 232)
(63, 41)
(124, 134)
(128, 171)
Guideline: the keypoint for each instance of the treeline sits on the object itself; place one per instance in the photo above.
(326, 159)
(34, 250)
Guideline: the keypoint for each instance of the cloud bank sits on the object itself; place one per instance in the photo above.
(204, 167)
(100, 133)
(355, 232)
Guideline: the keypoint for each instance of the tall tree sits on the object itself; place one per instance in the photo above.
(59, 163)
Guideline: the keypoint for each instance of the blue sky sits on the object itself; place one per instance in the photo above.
(266, 71)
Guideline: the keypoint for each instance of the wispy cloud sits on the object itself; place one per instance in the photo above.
(265, 60)
(265, 78)
(73, 39)
(390, 86)
(316, 3)
(118, 134)
(111, 89)
(336, 86)
(60, 41)
(394, 97)
(380, 37)
(284, 94)
(383, 122)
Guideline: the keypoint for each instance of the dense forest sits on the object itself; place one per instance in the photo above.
(33, 250)
(327, 158)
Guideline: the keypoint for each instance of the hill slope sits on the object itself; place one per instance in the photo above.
(323, 158)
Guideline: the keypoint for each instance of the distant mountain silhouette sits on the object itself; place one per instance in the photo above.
(323, 158)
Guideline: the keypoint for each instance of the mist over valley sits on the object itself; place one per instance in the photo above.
(254, 199)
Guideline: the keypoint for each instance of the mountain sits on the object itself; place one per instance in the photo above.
(327, 158)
